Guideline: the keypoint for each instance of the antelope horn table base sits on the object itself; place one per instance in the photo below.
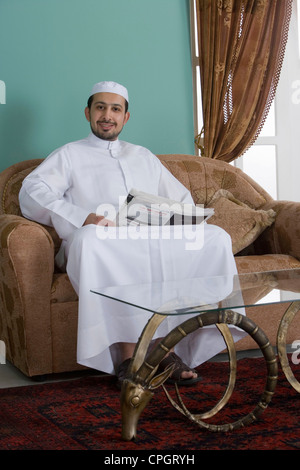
(141, 380)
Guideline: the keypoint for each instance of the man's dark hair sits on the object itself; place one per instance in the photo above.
(90, 100)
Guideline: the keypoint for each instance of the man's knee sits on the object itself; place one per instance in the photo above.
(83, 236)
(218, 234)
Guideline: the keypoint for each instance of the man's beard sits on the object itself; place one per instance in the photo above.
(110, 135)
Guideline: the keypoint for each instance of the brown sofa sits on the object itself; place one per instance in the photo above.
(38, 306)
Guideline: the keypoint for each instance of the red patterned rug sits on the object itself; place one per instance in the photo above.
(84, 414)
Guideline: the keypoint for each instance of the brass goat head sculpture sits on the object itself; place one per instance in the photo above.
(140, 381)
(135, 396)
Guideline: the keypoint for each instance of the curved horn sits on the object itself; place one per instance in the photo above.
(142, 345)
(246, 324)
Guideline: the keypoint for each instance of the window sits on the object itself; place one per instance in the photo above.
(260, 161)
(277, 148)
(196, 72)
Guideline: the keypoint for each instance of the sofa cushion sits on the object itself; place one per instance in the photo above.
(261, 263)
(243, 223)
(204, 176)
(261, 266)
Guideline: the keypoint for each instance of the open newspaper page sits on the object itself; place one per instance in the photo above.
(142, 208)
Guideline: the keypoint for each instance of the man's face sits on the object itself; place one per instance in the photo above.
(107, 115)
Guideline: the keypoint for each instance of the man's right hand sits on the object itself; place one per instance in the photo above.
(98, 220)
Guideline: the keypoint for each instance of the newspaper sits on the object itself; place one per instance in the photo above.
(140, 208)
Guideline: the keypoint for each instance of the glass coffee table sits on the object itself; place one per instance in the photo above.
(199, 303)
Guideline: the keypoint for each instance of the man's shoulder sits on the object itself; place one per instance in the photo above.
(136, 149)
(69, 146)
(76, 143)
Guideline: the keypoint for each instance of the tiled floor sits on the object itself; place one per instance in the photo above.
(12, 377)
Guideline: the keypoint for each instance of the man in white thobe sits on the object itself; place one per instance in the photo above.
(66, 192)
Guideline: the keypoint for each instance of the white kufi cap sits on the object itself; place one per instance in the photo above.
(110, 87)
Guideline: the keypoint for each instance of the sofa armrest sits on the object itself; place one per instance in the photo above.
(27, 266)
(283, 237)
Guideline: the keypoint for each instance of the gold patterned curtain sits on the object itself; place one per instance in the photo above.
(241, 49)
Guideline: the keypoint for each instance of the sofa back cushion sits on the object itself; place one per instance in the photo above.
(205, 176)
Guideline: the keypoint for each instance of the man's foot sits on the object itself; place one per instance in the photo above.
(121, 372)
(182, 374)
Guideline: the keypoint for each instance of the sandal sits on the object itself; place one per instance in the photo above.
(121, 372)
(180, 367)
(172, 358)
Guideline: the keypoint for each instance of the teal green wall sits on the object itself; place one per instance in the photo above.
(53, 51)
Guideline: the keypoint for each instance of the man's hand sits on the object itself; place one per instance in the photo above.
(98, 220)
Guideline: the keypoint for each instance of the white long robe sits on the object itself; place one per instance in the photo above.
(72, 183)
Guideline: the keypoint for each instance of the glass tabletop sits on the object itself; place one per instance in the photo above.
(197, 295)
